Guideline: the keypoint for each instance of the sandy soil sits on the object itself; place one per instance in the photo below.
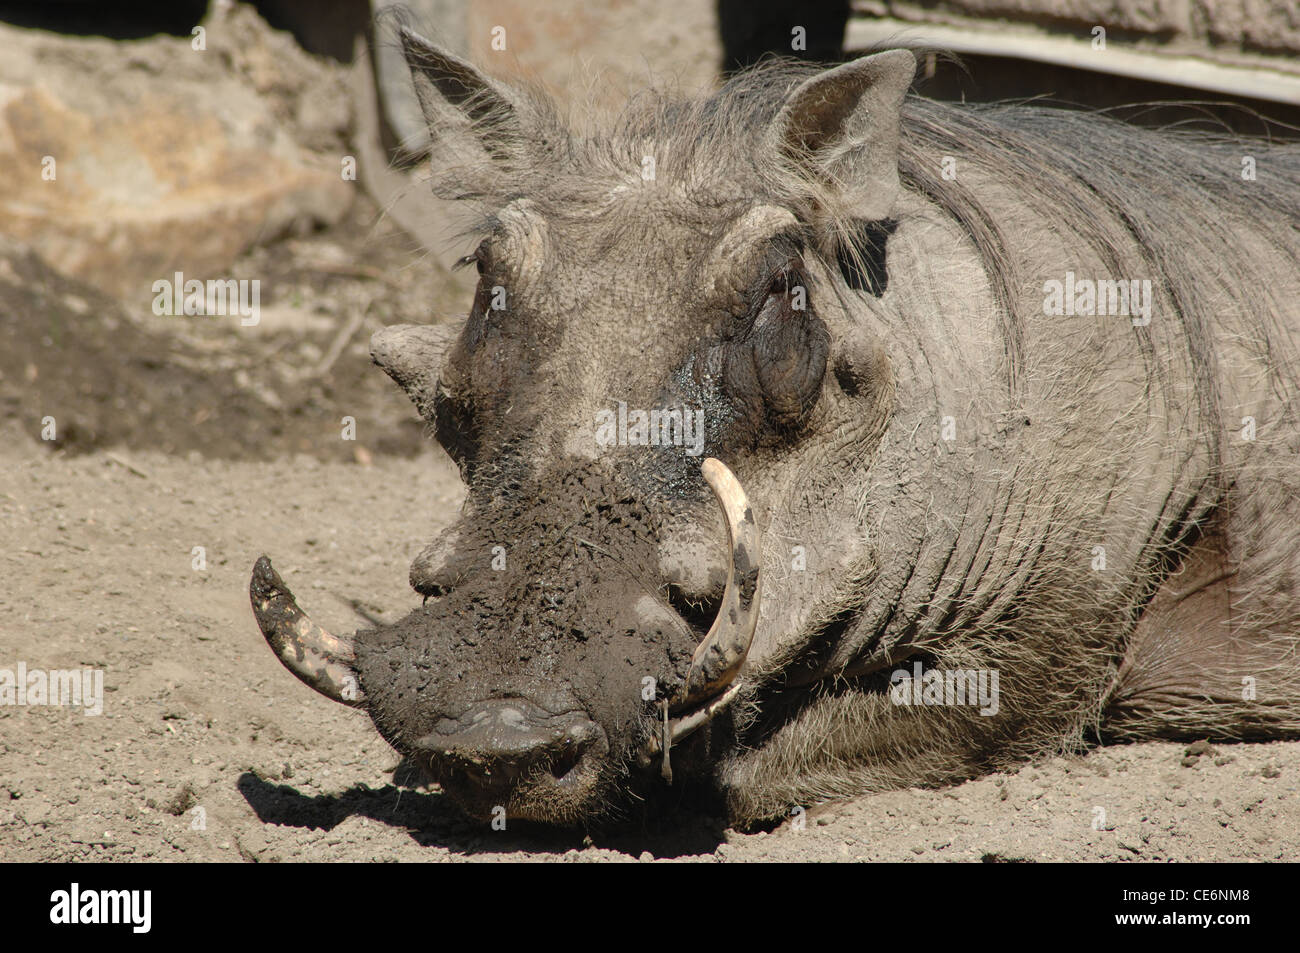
(98, 572)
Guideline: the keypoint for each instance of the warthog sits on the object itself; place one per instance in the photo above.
(1000, 449)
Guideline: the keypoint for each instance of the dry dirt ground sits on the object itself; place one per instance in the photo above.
(98, 572)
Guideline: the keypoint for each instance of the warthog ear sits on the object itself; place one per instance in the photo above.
(470, 117)
(841, 128)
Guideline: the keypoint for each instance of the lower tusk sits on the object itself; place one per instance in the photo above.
(318, 659)
(679, 728)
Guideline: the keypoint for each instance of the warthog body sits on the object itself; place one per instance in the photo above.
(1009, 394)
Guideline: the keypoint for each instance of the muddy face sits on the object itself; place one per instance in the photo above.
(637, 348)
(523, 680)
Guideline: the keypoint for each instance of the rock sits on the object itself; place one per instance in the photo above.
(128, 162)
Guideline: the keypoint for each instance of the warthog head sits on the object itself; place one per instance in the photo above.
(659, 362)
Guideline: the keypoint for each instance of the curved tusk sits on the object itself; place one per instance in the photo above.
(723, 651)
(317, 658)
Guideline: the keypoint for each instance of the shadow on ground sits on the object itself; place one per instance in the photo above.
(432, 820)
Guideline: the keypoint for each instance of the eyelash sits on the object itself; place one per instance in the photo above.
(476, 259)
(778, 282)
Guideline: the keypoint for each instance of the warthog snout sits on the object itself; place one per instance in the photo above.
(499, 744)
(528, 688)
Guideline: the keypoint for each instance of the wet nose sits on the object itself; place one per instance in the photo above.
(495, 743)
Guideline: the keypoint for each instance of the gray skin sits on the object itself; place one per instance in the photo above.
(937, 465)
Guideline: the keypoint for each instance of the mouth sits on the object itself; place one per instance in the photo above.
(510, 759)
(674, 730)
(499, 749)
(562, 789)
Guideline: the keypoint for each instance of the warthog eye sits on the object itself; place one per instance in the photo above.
(773, 364)
(784, 278)
(475, 381)
(789, 344)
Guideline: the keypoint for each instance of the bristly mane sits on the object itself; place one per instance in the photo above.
(1169, 188)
